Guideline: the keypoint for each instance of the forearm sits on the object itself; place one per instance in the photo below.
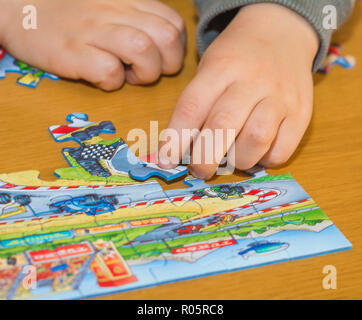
(216, 14)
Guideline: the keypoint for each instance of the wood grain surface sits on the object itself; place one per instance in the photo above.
(328, 162)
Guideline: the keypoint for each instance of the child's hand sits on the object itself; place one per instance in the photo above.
(89, 39)
(255, 78)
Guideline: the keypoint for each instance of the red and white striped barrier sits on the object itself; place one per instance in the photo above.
(284, 205)
(13, 187)
(263, 196)
(264, 210)
(186, 198)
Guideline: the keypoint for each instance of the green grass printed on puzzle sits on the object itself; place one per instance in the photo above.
(154, 249)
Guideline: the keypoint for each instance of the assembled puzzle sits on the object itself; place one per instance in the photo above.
(101, 228)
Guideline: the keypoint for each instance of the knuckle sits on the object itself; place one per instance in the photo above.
(221, 65)
(305, 111)
(189, 109)
(170, 35)
(223, 120)
(152, 77)
(90, 21)
(223, 62)
(173, 67)
(142, 43)
(110, 69)
(109, 75)
(258, 136)
(179, 23)
(290, 97)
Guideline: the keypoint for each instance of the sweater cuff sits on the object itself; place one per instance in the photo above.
(216, 14)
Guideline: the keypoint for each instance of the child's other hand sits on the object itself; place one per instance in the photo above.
(88, 39)
(255, 78)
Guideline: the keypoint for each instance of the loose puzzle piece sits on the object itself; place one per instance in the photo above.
(101, 158)
(334, 57)
(30, 76)
(80, 129)
(90, 236)
(7, 65)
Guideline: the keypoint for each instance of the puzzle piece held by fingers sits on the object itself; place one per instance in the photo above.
(102, 158)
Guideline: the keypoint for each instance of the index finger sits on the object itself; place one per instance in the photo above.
(190, 113)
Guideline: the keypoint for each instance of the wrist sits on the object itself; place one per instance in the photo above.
(278, 24)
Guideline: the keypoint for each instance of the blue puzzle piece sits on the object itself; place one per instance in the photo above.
(256, 171)
(7, 65)
(30, 76)
(149, 170)
(118, 156)
(125, 161)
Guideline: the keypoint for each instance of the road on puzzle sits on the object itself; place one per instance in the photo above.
(63, 230)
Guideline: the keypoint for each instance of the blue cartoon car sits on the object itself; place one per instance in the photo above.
(89, 204)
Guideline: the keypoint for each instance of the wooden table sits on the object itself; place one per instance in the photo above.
(328, 163)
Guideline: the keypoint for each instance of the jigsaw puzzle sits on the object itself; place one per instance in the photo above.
(101, 158)
(30, 76)
(97, 231)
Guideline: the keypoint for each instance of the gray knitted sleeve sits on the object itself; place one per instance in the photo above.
(214, 16)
